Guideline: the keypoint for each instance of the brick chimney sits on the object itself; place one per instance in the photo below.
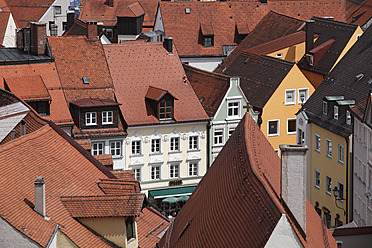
(309, 45)
(70, 19)
(92, 30)
(40, 195)
(294, 183)
(38, 38)
(168, 44)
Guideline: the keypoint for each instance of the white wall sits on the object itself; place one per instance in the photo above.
(58, 19)
(204, 63)
(10, 33)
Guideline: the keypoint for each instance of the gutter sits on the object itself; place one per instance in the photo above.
(53, 236)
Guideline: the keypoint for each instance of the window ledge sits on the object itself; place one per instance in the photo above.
(328, 193)
(156, 153)
(107, 123)
(318, 151)
(272, 135)
(317, 187)
(88, 125)
(329, 156)
(195, 150)
(340, 162)
(131, 240)
(135, 155)
(218, 145)
(118, 157)
(291, 133)
(290, 103)
(174, 152)
(233, 118)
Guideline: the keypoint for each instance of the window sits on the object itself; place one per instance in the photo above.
(193, 169)
(273, 128)
(317, 179)
(348, 117)
(335, 112)
(90, 118)
(64, 26)
(290, 97)
(319, 211)
(340, 188)
(325, 108)
(317, 142)
(193, 143)
(328, 185)
(341, 153)
(136, 147)
(231, 130)
(97, 148)
(329, 148)
(327, 219)
(175, 144)
(208, 41)
(300, 137)
(303, 95)
(130, 228)
(338, 222)
(155, 172)
(110, 33)
(218, 137)
(279, 55)
(233, 109)
(137, 173)
(57, 10)
(173, 171)
(107, 117)
(291, 126)
(115, 147)
(165, 110)
(155, 146)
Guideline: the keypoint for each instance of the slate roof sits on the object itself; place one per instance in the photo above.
(38, 81)
(259, 76)
(222, 18)
(236, 203)
(343, 81)
(103, 205)
(12, 56)
(271, 27)
(135, 66)
(78, 28)
(4, 18)
(150, 226)
(327, 30)
(99, 11)
(209, 87)
(358, 12)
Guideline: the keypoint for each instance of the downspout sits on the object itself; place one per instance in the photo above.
(347, 180)
(53, 236)
(209, 150)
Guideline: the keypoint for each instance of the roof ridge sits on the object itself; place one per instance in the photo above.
(207, 73)
(289, 17)
(99, 196)
(332, 21)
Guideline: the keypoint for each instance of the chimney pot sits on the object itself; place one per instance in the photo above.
(168, 44)
(40, 195)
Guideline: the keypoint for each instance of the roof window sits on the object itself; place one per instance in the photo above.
(187, 11)
(359, 76)
(85, 80)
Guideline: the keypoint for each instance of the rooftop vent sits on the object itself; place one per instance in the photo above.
(85, 80)
(369, 81)
(245, 61)
(202, 100)
(40, 195)
(187, 11)
(359, 76)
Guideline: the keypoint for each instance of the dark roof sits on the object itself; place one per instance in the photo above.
(329, 30)
(259, 76)
(208, 86)
(78, 28)
(343, 81)
(271, 27)
(352, 231)
(13, 56)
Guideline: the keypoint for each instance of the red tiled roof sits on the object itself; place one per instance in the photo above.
(43, 153)
(47, 83)
(87, 103)
(24, 11)
(209, 87)
(362, 230)
(102, 132)
(105, 159)
(4, 18)
(127, 175)
(359, 12)
(271, 27)
(156, 94)
(150, 224)
(117, 187)
(85, 143)
(224, 17)
(135, 66)
(103, 205)
(97, 10)
(359, 109)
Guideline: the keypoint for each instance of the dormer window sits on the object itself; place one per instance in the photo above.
(207, 34)
(90, 118)
(208, 41)
(335, 112)
(162, 103)
(325, 108)
(107, 117)
(165, 110)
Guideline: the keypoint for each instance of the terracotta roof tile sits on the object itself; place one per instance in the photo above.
(133, 10)
(271, 27)
(105, 159)
(78, 28)
(359, 12)
(117, 187)
(4, 18)
(85, 143)
(359, 109)
(21, 87)
(101, 12)
(87, 103)
(103, 205)
(209, 87)
(127, 175)
(150, 225)
(135, 66)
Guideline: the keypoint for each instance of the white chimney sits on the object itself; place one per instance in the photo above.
(40, 195)
(294, 180)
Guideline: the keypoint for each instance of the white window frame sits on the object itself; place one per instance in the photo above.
(233, 108)
(137, 173)
(174, 170)
(59, 12)
(329, 148)
(325, 107)
(90, 116)
(138, 148)
(286, 102)
(154, 145)
(317, 179)
(316, 143)
(193, 169)
(279, 55)
(193, 142)
(96, 150)
(335, 112)
(172, 145)
(230, 131)
(278, 128)
(328, 185)
(220, 137)
(118, 147)
(155, 167)
(306, 95)
(293, 132)
(348, 117)
(106, 117)
(341, 160)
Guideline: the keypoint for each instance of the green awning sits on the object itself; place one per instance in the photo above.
(170, 200)
(163, 193)
(183, 198)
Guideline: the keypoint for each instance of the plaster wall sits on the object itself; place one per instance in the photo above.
(58, 19)
(10, 33)
(353, 241)
(283, 235)
(62, 241)
(11, 237)
(204, 63)
(119, 161)
(293, 53)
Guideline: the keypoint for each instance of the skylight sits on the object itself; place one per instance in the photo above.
(359, 76)
(187, 11)
(85, 80)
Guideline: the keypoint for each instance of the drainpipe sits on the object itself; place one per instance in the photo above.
(347, 180)
(209, 150)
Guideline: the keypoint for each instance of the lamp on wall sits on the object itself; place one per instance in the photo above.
(338, 197)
